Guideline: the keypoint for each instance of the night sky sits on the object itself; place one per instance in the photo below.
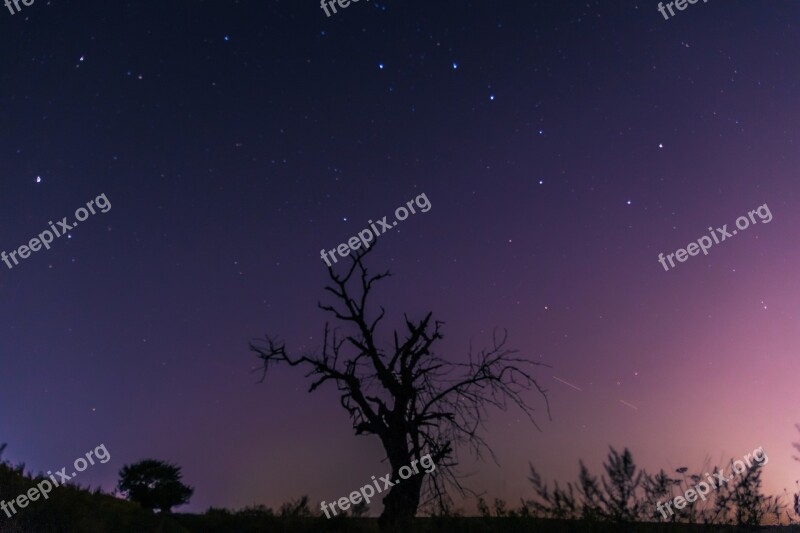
(562, 144)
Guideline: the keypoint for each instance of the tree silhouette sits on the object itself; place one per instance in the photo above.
(416, 402)
(154, 485)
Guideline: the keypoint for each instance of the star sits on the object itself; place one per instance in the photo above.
(491, 97)
(38, 179)
(629, 202)
(455, 66)
(380, 66)
(660, 145)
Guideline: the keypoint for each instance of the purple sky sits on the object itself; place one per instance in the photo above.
(562, 145)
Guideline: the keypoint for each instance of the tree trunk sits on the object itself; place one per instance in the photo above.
(400, 505)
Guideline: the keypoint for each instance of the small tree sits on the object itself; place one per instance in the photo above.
(154, 485)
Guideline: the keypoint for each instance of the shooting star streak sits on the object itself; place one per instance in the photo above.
(629, 405)
(567, 383)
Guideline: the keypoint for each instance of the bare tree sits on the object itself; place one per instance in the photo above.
(415, 401)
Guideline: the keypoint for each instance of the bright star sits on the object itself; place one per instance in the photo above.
(380, 66)
(491, 97)
(38, 179)
(455, 66)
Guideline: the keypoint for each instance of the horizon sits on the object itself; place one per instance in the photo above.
(568, 154)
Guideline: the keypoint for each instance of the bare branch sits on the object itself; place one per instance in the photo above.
(417, 402)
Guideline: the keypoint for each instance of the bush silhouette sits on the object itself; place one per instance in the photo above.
(154, 485)
(625, 495)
